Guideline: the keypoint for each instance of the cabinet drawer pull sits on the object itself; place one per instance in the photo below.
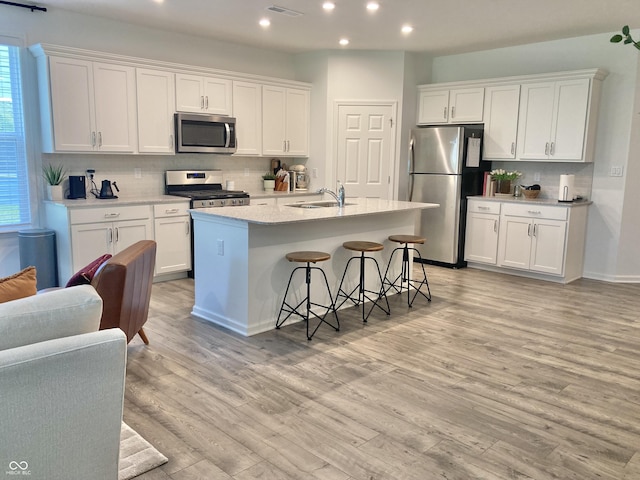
(480, 207)
(111, 215)
(171, 210)
(534, 212)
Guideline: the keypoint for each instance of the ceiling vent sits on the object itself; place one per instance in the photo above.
(284, 11)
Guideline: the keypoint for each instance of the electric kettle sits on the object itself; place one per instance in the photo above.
(106, 191)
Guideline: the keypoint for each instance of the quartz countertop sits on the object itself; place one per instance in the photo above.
(92, 202)
(532, 201)
(283, 214)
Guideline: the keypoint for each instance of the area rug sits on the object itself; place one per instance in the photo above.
(136, 454)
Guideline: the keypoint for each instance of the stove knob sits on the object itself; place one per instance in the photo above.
(233, 202)
(222, 202)
(212, 203)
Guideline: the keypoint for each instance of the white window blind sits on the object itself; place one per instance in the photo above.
(14, 180)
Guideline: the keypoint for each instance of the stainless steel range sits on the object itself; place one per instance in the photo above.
(204, 188)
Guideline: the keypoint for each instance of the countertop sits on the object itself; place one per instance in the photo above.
(118, 202)
(274, 194)
(532, 201)
(283, 214)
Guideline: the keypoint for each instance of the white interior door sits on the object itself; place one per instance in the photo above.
(364, 159)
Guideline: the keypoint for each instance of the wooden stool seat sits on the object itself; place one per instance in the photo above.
(407, 239)
(363, 246)
(307, 256)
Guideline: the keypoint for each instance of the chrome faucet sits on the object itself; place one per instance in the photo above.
(339, 196)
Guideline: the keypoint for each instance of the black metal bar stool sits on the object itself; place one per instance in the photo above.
(308, 258)
(405, 274)
(363, 293)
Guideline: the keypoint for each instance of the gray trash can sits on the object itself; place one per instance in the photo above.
(38, 248)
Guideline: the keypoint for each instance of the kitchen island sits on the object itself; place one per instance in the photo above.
(240, 268)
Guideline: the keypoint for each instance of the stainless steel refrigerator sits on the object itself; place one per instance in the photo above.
(445, 167)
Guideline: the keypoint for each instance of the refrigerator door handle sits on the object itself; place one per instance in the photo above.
(411, 167)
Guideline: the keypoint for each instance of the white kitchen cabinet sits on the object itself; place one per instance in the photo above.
(481, 239)
(92, 106)
(156, 102)
(285, 121)
(553, 120)
(532, 238)
(462, 105)
(247, 109)
(202, 94)
(173, 237)
(500, 122)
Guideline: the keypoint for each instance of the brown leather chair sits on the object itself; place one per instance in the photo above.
(124, 283)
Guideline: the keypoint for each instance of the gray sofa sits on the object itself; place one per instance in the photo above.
(61, 387)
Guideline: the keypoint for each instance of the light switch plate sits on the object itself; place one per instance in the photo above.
(616, 171)
(220, 247)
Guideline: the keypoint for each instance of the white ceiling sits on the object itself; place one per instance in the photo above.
(441, 26)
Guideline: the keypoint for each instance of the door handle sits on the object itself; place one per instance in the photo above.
(206, 102)
(411, 165)
(117, 234)
(495, 226)
(546, 148)
(535, 230)
(110, 235)
(201, 102)
(552, 150)
(93, 139)
(188, 224)
(444, 114)
(529, 230)
(284, 145)
(513, 148)
(453, 112)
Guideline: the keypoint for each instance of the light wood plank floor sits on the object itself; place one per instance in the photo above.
(499, 377)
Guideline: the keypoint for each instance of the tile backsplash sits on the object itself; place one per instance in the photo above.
(246, 172)
(550, 176)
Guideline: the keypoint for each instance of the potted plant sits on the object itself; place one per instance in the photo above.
(54, 175)
(269, 182)
(503, 180)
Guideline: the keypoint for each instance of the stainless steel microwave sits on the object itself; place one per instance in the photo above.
(198, 133)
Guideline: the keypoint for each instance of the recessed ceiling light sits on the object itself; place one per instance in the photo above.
(265, 22)
(328, 6)
(407, 29)
(344, 42)
(373, 6)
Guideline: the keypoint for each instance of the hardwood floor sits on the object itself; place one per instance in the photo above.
(499, 377)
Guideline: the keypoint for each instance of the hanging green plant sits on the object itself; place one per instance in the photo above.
(625, 38)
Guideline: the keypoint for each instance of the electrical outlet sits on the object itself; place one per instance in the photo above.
(536, 177)
(220, 247)
(137, 173)
(616, 171)
(314, 172)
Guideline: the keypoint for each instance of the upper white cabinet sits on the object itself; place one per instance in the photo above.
(501, 122)
(285, 121)
(91, 106)
(247, 109)
(553, 120)
(462, 105)
(199, 94)
(156, 100)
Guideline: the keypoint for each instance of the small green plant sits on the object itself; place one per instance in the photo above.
(53, 174)
(626, 36)
(268, 176)
(501, 174)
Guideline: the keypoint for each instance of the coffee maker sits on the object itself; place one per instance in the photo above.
(301, 177)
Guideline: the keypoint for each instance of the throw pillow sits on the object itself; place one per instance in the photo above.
(85, 275)
(18, 285)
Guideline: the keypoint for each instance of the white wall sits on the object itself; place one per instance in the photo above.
(612, 248)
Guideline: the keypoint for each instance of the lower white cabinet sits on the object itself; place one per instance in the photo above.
(173, 237)
(483, 221)
(536, 239)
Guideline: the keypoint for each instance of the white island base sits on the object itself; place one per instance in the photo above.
(240, 268)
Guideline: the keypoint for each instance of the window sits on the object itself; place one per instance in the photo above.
(14, 179)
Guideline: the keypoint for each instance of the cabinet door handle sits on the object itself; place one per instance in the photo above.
(513, 148)
(171, 210)
(284, 145)
(188, 224)
(546, 148)
(117, 234)
(206, 102)
(480, 207)
(453, 112)
(529, 230)
(201, 102)
(93, 139)
(111, 215)
(535, 230)
(552, 150)
(288, 146)
(170, 141)
(495, 226)
(99, 139)
(444, 114)
(110, 235)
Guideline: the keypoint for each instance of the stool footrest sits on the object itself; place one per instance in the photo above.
(404, 277)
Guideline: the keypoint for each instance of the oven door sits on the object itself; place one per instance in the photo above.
(205, 133)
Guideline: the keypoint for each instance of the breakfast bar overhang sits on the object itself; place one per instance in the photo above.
(240, 268)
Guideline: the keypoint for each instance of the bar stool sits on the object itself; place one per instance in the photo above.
(308, 258)
(362, 247)
(405, 274)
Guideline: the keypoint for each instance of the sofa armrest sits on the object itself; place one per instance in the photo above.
(56, 314)
(62, 405)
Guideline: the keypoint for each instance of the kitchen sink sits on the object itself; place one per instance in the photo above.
(316, 204)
